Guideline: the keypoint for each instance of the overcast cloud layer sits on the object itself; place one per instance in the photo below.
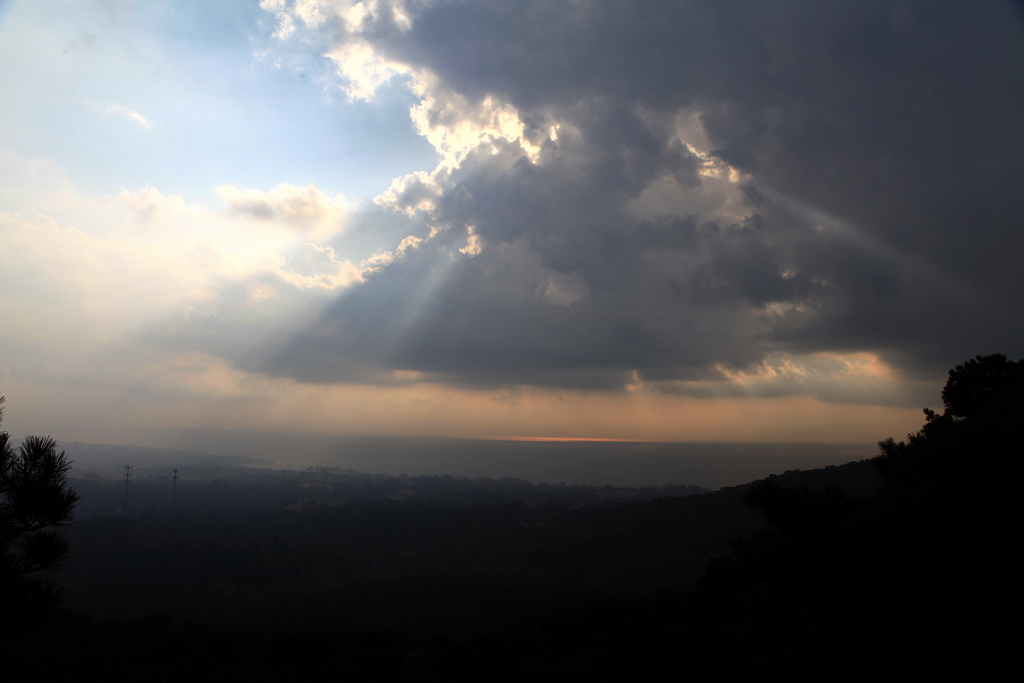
(672, 193)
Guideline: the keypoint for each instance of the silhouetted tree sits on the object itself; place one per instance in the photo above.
(905, 583)
(982, 382)
(974, 442)
(35, 505)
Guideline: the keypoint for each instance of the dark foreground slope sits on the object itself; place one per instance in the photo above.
(475, 578)
(910, 580)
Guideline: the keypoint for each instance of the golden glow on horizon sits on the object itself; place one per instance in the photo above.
(563, 439)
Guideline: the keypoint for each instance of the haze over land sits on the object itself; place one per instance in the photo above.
(706, 222)
(628, 464)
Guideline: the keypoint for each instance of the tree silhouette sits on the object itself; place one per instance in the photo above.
(982, 382)
(908, 582)
(35, 505)
(973, 444)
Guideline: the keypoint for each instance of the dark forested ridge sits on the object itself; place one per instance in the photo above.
(886, 569)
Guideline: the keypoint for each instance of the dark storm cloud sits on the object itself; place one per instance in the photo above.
(880, 205)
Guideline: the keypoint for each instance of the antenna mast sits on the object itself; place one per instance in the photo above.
(174, 493)
(127, 480)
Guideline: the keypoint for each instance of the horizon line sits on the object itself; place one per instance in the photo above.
(567, 439)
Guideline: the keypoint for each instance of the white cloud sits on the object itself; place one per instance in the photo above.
(122, 111)
(458, 127)
(384, 258)
(150, 206)
(836, 377)
(413, 193)
(451, 122)
(356, 16)
(101, 286)
(314, 266)
(285, 27)
(306, 209)
(455, 125)
(473, 245)
(109, 291)
(310, 11)
(363, 69)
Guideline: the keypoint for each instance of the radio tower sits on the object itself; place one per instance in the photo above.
(174, 493)
(127, 480)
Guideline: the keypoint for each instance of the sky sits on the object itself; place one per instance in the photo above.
(729, 221)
